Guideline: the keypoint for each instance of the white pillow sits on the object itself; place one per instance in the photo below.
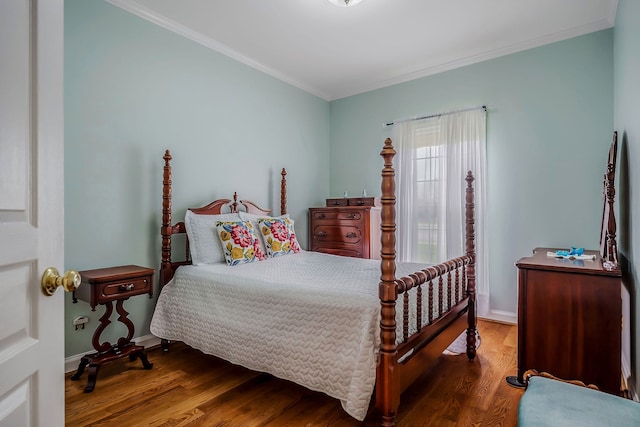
(204, 244)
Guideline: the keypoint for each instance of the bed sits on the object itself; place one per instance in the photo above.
(358, 330)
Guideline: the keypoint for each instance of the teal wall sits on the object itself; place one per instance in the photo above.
(132, 90)
(549, 126)
(627, 122)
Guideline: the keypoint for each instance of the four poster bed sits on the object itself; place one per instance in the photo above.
(348, 327)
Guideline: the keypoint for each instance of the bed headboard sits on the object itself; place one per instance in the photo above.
(608, 245)
(168, 229)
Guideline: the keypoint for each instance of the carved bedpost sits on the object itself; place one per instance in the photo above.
(283, 192)
(609, 222)
(166, 271)
(471, 269)
(387, 385)
(234, 205)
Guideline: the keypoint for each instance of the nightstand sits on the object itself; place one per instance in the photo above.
(102, 287)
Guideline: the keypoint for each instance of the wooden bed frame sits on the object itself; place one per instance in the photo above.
(399, 365)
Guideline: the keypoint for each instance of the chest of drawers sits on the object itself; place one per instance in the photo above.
(569, 319)
(345, 230)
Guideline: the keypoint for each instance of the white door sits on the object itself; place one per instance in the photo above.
(31, 212)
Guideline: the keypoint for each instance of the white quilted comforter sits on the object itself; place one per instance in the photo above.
(310, 318)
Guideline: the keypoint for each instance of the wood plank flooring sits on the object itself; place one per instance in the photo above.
(188, 388)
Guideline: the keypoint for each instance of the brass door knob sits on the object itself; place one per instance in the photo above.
(51, 280)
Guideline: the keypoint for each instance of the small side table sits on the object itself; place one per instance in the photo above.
(103, 286)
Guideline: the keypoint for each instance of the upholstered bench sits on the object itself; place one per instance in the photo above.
(549, 402)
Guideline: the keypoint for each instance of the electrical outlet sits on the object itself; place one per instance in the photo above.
(80, 321)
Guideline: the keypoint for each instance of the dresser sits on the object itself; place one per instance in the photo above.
(347, 227)
(569, 319)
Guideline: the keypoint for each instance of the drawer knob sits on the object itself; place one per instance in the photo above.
(321, 216)
(351, 216)
(321, 234)
(351, 234)
(51, 280)
(128, 287)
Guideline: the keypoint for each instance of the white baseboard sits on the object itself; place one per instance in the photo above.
(626, 374)
(501, 316)
(71, 363)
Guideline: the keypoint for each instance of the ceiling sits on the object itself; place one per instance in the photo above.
(334, 52)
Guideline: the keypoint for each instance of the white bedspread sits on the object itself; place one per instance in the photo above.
(310, 318)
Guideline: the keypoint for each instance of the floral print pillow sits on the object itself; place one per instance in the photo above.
(239, 242)
(278, 236)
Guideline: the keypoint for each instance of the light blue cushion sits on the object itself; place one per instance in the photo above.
(548, 403)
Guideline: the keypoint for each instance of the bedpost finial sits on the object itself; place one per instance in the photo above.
(167, 156)
(388, 152)
(469, 178)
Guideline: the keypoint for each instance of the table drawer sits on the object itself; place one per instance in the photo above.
(104, 285)
(121, 289)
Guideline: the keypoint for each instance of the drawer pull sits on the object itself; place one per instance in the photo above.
(128, 287)
(321, 234)
(351, 234)
(351, 216)
(321, 216)
(336, 203)
(360, 202)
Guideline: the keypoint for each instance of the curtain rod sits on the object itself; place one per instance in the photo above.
(409, 119)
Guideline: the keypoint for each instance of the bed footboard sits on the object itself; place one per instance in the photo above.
(403, 359)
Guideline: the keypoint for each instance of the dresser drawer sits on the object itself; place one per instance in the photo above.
(364, 201)
(337, 202)
(337, 214)
(337, 233)
(353, 201)
(346, 230)
(342, 250)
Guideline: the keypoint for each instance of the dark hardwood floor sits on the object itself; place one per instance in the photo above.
(188, 388)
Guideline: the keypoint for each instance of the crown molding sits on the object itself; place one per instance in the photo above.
(173, 26)
(135, 8)
(485, 56)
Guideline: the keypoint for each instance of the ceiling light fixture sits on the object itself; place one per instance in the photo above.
(344, 3)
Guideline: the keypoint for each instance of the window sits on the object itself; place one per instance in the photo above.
(433, 157)
(428, 200)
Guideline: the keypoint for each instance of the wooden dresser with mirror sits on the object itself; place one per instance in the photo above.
(570, 310)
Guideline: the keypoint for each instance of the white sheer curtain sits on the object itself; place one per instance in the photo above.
(433, 158)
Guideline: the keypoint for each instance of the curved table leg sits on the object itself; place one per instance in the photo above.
(83, 364)
(93, 375)
(107, 352)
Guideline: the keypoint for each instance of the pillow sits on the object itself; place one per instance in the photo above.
(239, 242)
(278, 235)
(204, 244)
(246, 216)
